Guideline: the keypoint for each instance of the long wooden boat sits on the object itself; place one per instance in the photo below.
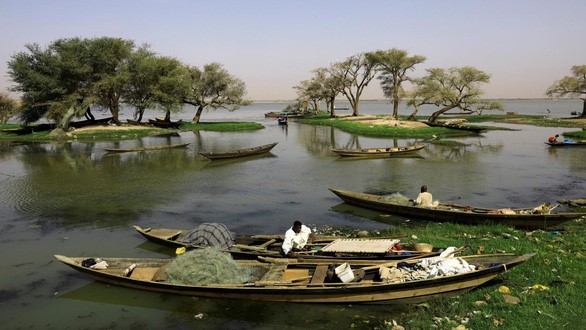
(277, 114)
(165, 124)
(450, 212)
(240, 152)
(148, 148)
(378, 152)
(476, 129)
(322, 247)
(89, 122)
(567, 144)
(299, 282)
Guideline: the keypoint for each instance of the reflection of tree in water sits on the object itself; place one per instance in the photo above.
(69, 184)
(459, 151)
(319, 140)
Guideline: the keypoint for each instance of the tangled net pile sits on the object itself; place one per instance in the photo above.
(396, 198)
(208, 266)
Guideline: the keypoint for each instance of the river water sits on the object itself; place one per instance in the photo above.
(72, 198)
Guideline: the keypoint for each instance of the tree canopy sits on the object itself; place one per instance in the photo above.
(353, 75)
(452, 88)
(214, 87)
(393, 65)
(64, 79)
(571, 86)
(7, 107)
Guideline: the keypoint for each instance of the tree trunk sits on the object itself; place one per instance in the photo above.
(66, 119)
(115, 109)
(197, 116)
(584, 108)
(412, 117)
(436, 114)
(139, 113)
(396, 108)
(89, 115)
(168, 115)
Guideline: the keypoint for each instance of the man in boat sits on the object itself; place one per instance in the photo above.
(553, 138)
(295, 239)
(425, 199)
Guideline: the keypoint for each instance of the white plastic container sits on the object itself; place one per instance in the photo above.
(344, 272)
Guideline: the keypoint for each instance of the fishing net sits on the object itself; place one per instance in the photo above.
(211, 266)
(396, 198)
(210, 234)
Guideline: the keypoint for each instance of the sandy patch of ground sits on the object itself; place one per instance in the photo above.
(374, 120)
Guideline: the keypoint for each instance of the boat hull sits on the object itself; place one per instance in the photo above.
(240, 152)
(378, 152)
(526, 221)
(306, 292)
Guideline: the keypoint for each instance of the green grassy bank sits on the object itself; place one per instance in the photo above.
(546, 292)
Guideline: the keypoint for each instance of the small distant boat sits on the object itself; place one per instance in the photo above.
(567, 143)
(378, 152)
(283, 120)
(239, 152)
(476, 129)
(148, 148)
(165, 124)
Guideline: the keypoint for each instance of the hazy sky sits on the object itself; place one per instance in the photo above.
(272, 45)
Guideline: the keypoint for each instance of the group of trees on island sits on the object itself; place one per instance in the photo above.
(447, 89)
(70, 76)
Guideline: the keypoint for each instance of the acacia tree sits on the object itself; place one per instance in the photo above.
(7, 107)
(450, 89)
(213, 87)
(330, 88)
(154, 81)
(393, 65)
(55, 82)
(571, 86)
(353, 75)
(108, 58)
(310, 91)
(63, 80)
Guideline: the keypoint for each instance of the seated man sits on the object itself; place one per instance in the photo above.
(553, 138)
(425, 199)
(295, 239)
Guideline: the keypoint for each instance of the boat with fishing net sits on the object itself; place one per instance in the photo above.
(214, 274)
(539, 217)
(321, 247)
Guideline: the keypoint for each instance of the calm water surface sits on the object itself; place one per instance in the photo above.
(75, 199)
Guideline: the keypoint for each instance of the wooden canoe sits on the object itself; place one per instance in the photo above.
(475, 129)
(450, 212)
(567, 144)
(148, 148)
(165, 124)
(378, 152)
(301, 282)
(240, 152)
(253, 246)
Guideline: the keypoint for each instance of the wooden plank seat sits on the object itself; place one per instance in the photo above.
(319, 275)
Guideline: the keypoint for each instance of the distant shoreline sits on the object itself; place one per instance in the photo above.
(544, 99)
